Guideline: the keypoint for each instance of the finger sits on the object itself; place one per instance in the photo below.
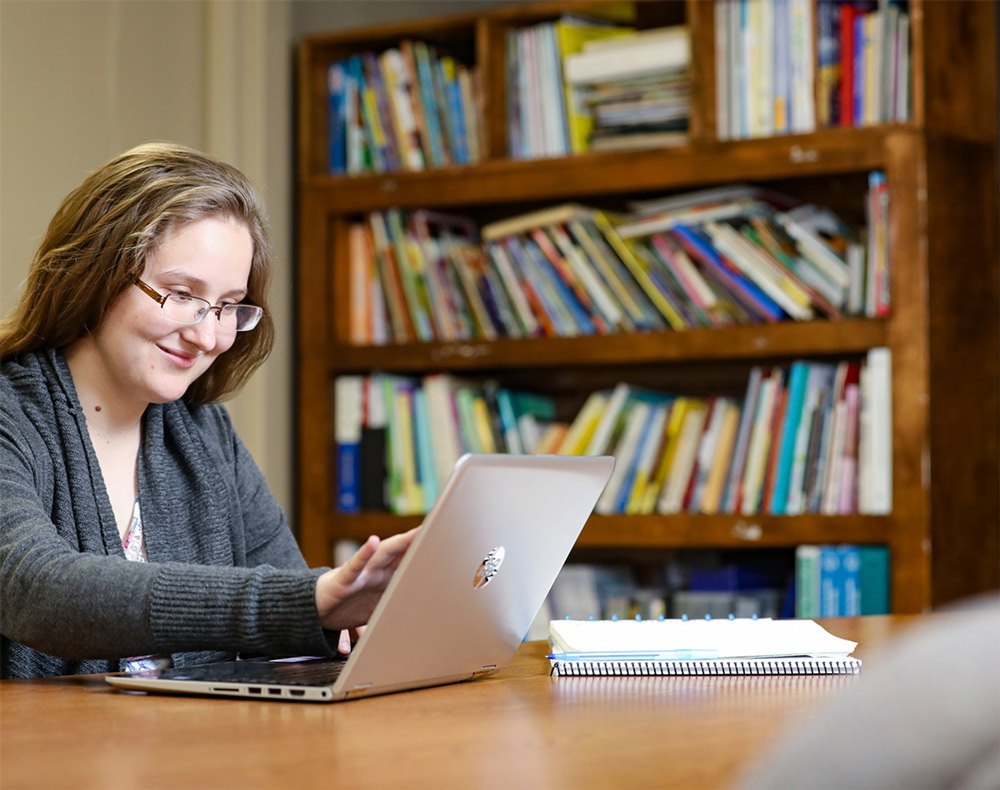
(353, 568)
(344, 643)
(392, 549)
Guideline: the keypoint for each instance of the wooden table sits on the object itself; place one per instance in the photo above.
(519, 728)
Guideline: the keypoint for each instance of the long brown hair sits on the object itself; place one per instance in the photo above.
(100, 237)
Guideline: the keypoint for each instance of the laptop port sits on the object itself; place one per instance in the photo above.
(296, 692)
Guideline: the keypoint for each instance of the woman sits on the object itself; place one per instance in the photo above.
(134, 525)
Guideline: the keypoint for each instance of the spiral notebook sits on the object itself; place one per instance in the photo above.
(734, 646)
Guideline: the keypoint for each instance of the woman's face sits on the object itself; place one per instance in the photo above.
(151, 359)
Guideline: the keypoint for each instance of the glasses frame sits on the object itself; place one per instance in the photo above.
(161, 300)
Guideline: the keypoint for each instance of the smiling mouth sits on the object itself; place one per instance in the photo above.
(181, 360)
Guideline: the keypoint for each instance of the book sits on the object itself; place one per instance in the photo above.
(738, 646)
(582, 428)
(652, 51)
(634, 421)
(439, 393)
(347, 435)
(732, 492)
(787, 440)
(878, 443)
(373, 445)
(646, 460)
(711, 499)
(874, 579)
(682, 467)
(807, 589)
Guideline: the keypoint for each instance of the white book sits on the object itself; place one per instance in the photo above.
(879, 440)
(765, 51)
(445, 441)
(626, 57)
(723, 71)
(803, 110)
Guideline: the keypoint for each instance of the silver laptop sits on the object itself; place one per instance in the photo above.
(461, 600)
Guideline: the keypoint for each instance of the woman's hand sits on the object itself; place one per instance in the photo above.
(347, 596)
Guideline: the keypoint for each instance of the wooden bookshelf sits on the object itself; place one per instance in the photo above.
(944, 331)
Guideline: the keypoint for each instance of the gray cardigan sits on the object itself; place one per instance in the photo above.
(224, 576)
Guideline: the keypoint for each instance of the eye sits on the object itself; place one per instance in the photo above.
(181, 298)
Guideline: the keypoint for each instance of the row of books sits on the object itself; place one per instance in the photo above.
(406, 108)
(841, 581)
(714, 258)
(764, 68)
(769, 82)
(577, 84)
(680, 587)
(399, 437)
(863, 62)
(812, 438)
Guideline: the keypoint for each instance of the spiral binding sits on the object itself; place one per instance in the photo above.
(708, 667)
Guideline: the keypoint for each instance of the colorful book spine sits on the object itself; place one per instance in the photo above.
(347, 435)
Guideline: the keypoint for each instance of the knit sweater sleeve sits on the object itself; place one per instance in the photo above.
(65, 597)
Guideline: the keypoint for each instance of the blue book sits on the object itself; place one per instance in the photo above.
(786, 452)
(874, 573)
(860, 44)
(424, 448)
(580, 317)
(432, 116)
(508, 422)
(529, 270)
(455, 117)
(647, 436)
(347, 436)
(337, 117)
(850, 565)
(831, 582)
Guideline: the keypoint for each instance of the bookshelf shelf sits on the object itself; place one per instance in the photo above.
(702, 163)
(850, 336)
(683, 530)
(943, 332)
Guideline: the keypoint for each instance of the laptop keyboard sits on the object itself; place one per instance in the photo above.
(310, 672)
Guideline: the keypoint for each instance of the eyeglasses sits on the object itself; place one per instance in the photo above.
(184, 309)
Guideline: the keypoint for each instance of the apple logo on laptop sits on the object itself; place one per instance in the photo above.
(488, 568)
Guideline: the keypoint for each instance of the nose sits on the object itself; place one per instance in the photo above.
(203, 335)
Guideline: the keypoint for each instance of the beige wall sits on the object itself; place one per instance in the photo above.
(83, 81)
